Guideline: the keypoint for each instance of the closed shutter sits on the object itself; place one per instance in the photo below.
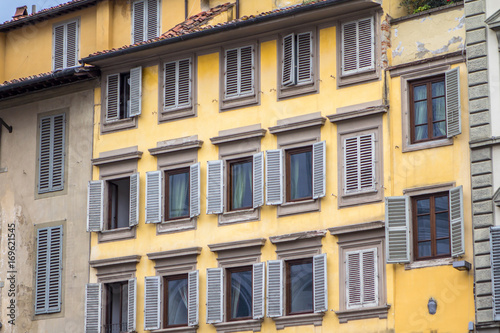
(184, 83)
(93, 304)
(45, 155)
(239, 72)
(320, 285)
(275, 288)
(397, 222)
(319, 169)
(453, 120)
(215, 187)
(288, 60)
(134, 200)
(72, 44)
(153, 197)
(132, 305)
(258, 283)
(304, 58)
(274, 177)
(457, 221)
(361, 278)
(193, 298)
(194, 190)
(58, 140)
(95, 203)
(135, 91)
(113, 97)
(177, 84)
(51, 153)
(232, 64)
(170, 85)
(365, 44)
(138, 22)
(359, 163)
(58, 37)
(247, 70)
(370, 277)
(357, 46)
(152, 303)
(258, 180)
(153, 19)
(353, 279)
(215, 286)
(42, 263)
(495, 269)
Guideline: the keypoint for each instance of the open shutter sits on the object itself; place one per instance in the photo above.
(397, 233)
(320, 286)
(72, 44)
(274, 177)
(247, 70)
(134, 200)
(495, 269)
(153, 197)
(319, 169)
(153, 19)
(232, 64)
(135, 91)
(193, 298)
(113, 97)
(132, 305)
(304, 57)
(288, 61)
(138, 22)
(215, 187)
(58, 141)
(215, 279)
(58, 48)
(95, 202)
(194, 190)
(275, 288)
(365, 44)
(457, 221)
(93, 304)
(369, 275)
(152, 302)
(258, 180)
(42, 264)
(184, 83)
(453, 120)
(258, 283)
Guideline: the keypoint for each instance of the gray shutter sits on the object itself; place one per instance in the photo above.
(42, 263)
(258, 180)
(215, 187)
(369, 273)
(349, 48)
(320, 286)
(231, 73)
(275, 288)
(288, 60)
(93, 304)
(95, 203)
(365, 44)
(193, 298)
(215, 285)
(57, 160)
(132, 305)
(72, 44)
(45, 155)
(135, 91)
(184, 83)
(357, 46)
(58, 47)
(457, 221)
(138, 22)
(152, 302)
(258, 287)
(153, 19)
(48, 270)
(397, 225)
(304, 57)
(351, 164)
(319, 169)
(153, 197)
(194, 190)
(170, 84)
(359, 163)
(134, 200)
(453, 120)
(274, 177)
(247, 71)
(495, 269)
(113, 97)
(353, 279)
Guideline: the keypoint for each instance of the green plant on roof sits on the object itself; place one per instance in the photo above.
(417, 6)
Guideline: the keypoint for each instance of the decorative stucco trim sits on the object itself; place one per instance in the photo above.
(358, 227)
(295, 123)
(428, 63)
(238, 136)
(315, 319)
(134, 259)
(231, 246)
(493, 141)
(175, 147)
(115, 269)
(117, 156)
(253, 325)
(358, 113)
(297, 236)
(428, 189)
(177, 330)
(379, 311)
(429, 263)
(179, 261)
(239, 253)
(174, 253)
(116, 234)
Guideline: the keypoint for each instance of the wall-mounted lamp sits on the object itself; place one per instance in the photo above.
(462, 265)
(432, 306)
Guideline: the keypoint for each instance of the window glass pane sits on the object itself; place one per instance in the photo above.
(424, 227)
(301, 291)
(178, 198)
(241, 181)
(424, 249)
(421, 132)
(423, 206)
(241, 294)
(177, 302)
(421, 113)
(119, 203)
(116, 304)
(300, 175)
(438, 109)
(438, 89)
(442, 225)
(420, 93)
(439, 129)
(441, 204)
(443, 246)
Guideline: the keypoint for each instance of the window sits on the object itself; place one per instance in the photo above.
(51, 154)
(240, 184)
(145, 20)
(65, 38)
(299, 286)
(359, 168)
(361, 278)
(239, 293)
(299, 174)
(116, 307)
(123, 95)
(178, 89)
(118, 201)
(48, 270)
(495, 269)
(175, 294)
(177, 190)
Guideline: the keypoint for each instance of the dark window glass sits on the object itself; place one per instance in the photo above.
(299, 283)
(116, 307)
(124, 95)
(239, 297)
(118, 203)
(240, 184)
(299, 174)
(176, 296)
(177, 199)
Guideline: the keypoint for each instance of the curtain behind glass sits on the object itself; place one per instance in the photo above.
(241, 294)
(301, 290)
(300, 175)
(420, 105)
(178, 195)
(177, 302)
(242, 185)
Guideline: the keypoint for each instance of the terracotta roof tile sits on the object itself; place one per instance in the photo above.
(38, 76)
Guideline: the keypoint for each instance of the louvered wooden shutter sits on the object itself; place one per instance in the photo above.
(457, 221)
(177, 84)
(72, 44)
(258, 179)
(353, 279)
(152, 302)
(319, 169)
(370, 277)
(288, 60)
(51, 153)
(215, 285)
(453, 119)
(359, 163)
(154, 197)
(194, 190)
(134, 200)
(132, 305)
(93, 307)
(258, 283)
(274, 177)
(153, 19)
(247, 70)
(138, 22)
(320, 285)
(45, 155)
(231, 73)
(215, 187)
(397, 223)
(304, 57)
(357, 46)
(58, 37)
(42, 264)
(275, 288)
(361, 278)
(135, 91)
(193, 298)
(113, 97)
(58, 141)
(95, 203)
(365, 44)
(184, 83)
(239, 72)
(495, 269)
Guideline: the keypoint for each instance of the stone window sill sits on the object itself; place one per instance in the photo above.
(315, 319)
(118, 125)
(174, 114)
(363, 313)
(178, 225)
(429, 263)
(297, 90)
(253, 325)
(298, 207)
(184, 329)
(427, 145)
(116, 234)
(237, 216)
(355, 78)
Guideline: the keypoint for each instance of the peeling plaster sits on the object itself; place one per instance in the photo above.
(422, 51)
(395, 32)
(461, 22)
(398, 51)
(426, 18)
